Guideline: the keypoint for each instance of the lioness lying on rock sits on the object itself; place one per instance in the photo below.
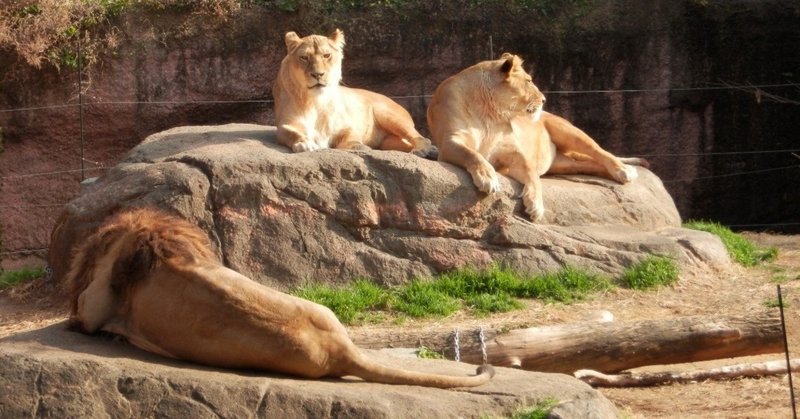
(154, 279)
(489, 118)
(312, 111)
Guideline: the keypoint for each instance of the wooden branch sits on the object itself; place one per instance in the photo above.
(597, 379)
(604, 347)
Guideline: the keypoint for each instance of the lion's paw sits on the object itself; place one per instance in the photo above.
(486, 180)
(626, 174)
(533, 207)
(359, 147)
(302, 146)
(430, 153)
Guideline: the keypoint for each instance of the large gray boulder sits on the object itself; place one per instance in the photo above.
(283, 218)
(55, 373)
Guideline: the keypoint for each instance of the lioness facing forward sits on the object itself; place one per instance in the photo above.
(489, 118)
(154, 279)
(312, 111)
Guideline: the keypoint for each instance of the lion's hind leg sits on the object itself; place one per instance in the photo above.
(395, 143)
(570, 139)
(395, 120)
(574, 165)
(635, 161)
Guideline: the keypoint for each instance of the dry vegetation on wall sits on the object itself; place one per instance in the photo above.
(44, 32)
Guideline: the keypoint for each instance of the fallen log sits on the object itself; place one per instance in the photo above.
(646, 379)
(605, 347)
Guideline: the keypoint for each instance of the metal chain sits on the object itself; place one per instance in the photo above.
(455, 346)
(483, 344)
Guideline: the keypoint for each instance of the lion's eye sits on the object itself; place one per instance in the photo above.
(303, 58)
(327, 56)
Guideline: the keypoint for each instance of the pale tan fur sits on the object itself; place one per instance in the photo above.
(154, 279)
(489, 119)
(313, 111)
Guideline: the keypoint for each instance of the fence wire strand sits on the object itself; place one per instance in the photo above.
(101, 166)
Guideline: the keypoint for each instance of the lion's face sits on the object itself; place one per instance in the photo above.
(513, 89)
(315, 61)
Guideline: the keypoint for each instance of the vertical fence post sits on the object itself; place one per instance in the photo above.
(786, 352)
(80, 97)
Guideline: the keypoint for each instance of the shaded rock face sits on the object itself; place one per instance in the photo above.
(55, 373)
(644, 52)
(283, 218)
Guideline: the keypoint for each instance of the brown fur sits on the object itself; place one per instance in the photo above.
(154, 279)
(489, 118)
(312, 111)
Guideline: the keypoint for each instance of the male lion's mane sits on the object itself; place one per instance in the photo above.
(154, 239)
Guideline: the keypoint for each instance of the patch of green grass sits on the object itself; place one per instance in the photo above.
(10, 278)
(540, 411)
(486, 303)
(421, 298)
(485, 291)
(566, 285)
(743, 251)
(651, 272)
(773, 303)
(349, 303)
(426, 353)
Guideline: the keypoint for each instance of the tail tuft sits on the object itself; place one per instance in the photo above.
(485, 369)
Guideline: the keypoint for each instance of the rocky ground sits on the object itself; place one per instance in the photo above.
(738, 293)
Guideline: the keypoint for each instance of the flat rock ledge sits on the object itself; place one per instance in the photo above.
(53, 372)
(331, 216)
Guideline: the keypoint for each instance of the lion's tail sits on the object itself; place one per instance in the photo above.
(370, 370)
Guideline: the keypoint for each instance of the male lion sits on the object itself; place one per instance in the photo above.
(154, 279)
(312, 111)
(489, 118)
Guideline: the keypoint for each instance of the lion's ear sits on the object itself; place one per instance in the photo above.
(338, 38)
(507, 65)
(511, 62)
(292, 40)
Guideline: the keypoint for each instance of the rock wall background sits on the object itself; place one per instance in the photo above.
(628, 63)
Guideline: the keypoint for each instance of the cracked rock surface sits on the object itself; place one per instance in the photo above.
(52, 372)
(283, 218)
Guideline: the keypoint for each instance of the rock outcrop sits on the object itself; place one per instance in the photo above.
(51, 372)
(332, 216)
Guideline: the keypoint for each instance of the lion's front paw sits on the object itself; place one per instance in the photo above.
(534, 206)
(626, 174)
(302, 146)
(486, 179)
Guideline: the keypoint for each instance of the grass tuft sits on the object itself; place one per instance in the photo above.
(492, 290)
(10, 278)
(567, 285)
(651, 272)
(421, 298)
(427, 353)
(349, 303)
(743, 251)
(540, 411)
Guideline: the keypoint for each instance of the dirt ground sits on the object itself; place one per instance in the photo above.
(738, 293)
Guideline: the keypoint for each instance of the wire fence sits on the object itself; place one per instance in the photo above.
(754, 89)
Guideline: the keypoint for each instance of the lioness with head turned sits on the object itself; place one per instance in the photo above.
(489, 119)
(312, 111)
(154, 279)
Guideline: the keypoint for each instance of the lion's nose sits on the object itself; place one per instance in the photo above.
(317, 74)
(544, 99)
